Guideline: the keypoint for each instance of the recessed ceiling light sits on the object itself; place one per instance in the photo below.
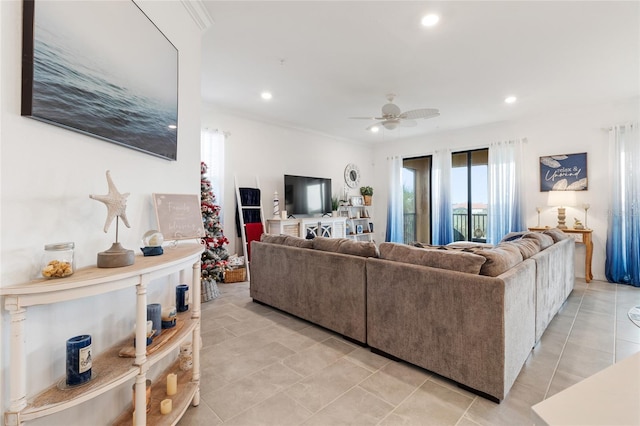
(430, 20)
(266, 95)
(172, 126)
(510, 99)
(375, 129)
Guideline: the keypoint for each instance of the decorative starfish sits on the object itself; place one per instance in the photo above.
(116, 204)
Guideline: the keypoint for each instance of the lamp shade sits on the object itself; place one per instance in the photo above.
(562, 198)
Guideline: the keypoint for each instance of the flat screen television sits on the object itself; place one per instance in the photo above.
(304, 195)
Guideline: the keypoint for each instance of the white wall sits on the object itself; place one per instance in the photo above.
(47, 174)
(559, 132)
(268, 152)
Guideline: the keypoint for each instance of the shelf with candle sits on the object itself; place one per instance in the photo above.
(180, 401)
(168, 340)
(109, 371)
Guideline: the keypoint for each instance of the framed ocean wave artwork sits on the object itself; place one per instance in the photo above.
(101, 68)
(566, 172)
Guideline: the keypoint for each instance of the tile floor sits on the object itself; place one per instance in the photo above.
(263, 367)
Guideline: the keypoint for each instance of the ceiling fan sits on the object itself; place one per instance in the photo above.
(392, 116)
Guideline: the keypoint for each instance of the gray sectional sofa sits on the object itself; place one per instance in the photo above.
(471, 313)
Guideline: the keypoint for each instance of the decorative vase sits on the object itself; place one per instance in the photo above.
(367, 200)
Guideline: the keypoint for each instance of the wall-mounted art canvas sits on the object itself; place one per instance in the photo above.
(101, 68)
(566, 172)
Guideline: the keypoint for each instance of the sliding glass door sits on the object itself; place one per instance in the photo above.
(416, 184)
(469, 194)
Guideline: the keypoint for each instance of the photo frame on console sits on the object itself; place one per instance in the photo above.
(179, 216)
(356, 200)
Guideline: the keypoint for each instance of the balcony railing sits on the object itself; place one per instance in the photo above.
(478, 224)
(478, 227)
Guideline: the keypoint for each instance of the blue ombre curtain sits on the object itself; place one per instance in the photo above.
(506, 201)
(623, 236)
(442, 212)
(395, 217)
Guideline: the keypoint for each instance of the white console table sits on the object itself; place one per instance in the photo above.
(610, 397)
(329, 227)
(111, 369)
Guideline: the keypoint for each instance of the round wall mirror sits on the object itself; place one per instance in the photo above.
(352, 175)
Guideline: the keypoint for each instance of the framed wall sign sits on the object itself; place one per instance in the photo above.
(567, 172)
(356, 200)
(179, 216)
(101, 68)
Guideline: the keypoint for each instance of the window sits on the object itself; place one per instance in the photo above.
(469, 194)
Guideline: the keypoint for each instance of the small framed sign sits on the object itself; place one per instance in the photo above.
(356, 200)
(179, 216)
(567, 172)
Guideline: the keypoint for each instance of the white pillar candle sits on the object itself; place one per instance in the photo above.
(172, 384)
(149, 327)
(165, 406)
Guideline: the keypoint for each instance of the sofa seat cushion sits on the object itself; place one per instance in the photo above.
(346, 246)
(545, 241)
(454, 260)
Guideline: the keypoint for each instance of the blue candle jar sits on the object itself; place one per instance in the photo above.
(154, 314)
(182, 297)
(79, 359)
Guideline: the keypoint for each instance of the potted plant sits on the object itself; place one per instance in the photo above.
(367, 193)
(335, 204)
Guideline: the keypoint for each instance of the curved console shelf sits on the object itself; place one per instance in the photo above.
(110, 369)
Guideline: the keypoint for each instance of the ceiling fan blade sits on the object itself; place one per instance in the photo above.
(366, 118)
(408, 123)
(420, 113)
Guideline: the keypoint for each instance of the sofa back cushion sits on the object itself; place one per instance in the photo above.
(545, 241)
(556, 234)
(298, 242)
(272, 238)
(346, 246)
(454, 260)
(359, 248)
(499, 259)
(527, 246)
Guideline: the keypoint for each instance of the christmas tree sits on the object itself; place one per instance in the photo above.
(215, 255)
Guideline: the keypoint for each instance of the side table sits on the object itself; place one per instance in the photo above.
(582, 236)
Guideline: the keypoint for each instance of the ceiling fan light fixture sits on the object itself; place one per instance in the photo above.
(375, 129)
(390, 124)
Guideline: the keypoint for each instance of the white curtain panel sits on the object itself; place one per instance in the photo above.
(212, 144)
(442, 211)
(505, 190)
(622, 263)
(395, 216)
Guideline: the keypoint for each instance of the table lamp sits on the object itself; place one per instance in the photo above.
(561, 199)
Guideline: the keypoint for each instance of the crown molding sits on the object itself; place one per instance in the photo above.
(199, 13)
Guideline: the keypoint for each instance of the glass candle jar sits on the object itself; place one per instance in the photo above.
(58, 260)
